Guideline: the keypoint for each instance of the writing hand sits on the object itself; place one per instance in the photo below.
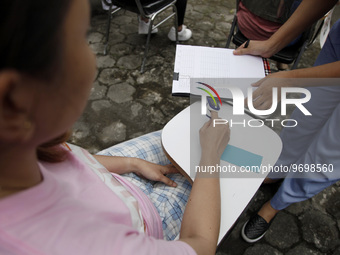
(256, 48)
(214, 139)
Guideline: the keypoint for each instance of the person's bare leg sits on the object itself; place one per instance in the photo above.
(267, 212)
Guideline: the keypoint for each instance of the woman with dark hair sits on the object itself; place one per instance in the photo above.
(59, 199)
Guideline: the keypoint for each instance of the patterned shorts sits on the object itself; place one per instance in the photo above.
(169, 201)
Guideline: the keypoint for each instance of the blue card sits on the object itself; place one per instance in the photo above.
(240, 157)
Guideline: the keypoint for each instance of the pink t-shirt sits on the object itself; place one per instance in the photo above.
(254, 27)
(73, 212)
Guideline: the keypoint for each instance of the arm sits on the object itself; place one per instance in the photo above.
(308, 12)
(201, 220)
(148, 170)
(305, 77)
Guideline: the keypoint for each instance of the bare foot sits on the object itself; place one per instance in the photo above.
(267, 212)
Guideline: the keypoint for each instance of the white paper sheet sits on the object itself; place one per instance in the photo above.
(207, 62)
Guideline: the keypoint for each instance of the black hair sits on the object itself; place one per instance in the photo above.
(30, 35)
(31, 43)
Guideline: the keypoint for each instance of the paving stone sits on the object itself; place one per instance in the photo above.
(302, 249)
(150, 97)
(79, 130)
(135, 109)
(299, 208)
(197, 15)
(98, 91)
(114, 133)
(138, 134)
(148, 77)
(121, 93)
(138, 41)
(336, 251)
(105, 61)
(283, 232)
(129, 62)
(321, 200)
(205, 25)
(129, 29)
(94, 38)
(111, 76)
(224, 27)
(126, 18)
(332, 205)
(263, 249)
(100, 105)
(319, 229)
(116, 37)
(203, 8)
(229, 17)
(217, 35)
(97, 48)
(120, 49)
(157, 116)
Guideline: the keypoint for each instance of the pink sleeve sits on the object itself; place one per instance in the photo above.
(145, 245)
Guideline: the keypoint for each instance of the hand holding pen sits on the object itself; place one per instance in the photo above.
(256, 48)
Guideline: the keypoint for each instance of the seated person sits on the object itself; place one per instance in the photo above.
(57, 199)
(259, 20)
(184, 33)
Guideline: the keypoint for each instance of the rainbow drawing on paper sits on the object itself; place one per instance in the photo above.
(212, 89)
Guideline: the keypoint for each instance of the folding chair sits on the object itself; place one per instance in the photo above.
(287, 55)
(148, 9)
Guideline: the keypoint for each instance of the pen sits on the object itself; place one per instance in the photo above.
(247, 44)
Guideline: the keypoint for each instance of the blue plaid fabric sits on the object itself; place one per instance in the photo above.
(170, 202)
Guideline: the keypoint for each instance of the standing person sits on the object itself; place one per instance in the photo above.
(51, 200)
(303, 17)
(259, 20)
(315, 139)
(184, 33)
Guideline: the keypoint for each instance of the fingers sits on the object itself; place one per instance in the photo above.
(241, 51)
(167, 181)
(205, 126)
(170, 169)
(256, 48)
(258, 83)
(214, 115)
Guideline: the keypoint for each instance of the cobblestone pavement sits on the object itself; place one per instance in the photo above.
(125, 104)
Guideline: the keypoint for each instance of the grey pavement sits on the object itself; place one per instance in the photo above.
(125, 104)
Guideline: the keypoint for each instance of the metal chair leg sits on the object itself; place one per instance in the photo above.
(110, 13)
(147, 45)
(152, 18)
(108, 29)
(303, 48)
(231, 33)
(176, 22)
